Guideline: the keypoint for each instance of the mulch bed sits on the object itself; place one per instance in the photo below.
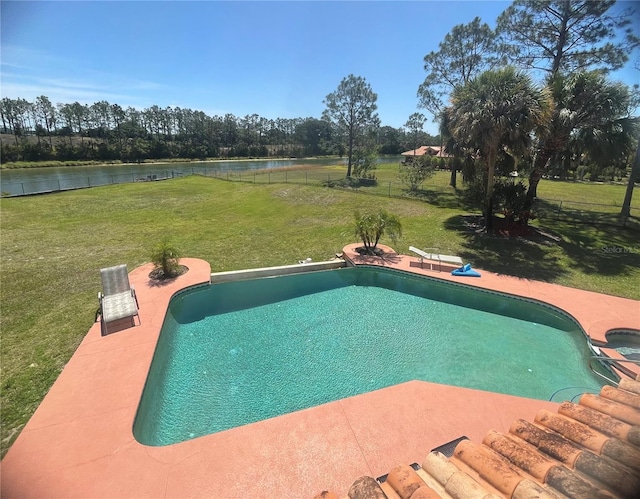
(503, 227)
(365, 251)
(159, 275)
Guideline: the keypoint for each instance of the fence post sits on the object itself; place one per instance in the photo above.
(559, 210)
(389, 189)
(59, 184)
(22, 186)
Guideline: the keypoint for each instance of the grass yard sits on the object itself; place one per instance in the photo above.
(53, 246)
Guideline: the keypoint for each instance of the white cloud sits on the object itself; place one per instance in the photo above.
(27, 74)
(62, 94)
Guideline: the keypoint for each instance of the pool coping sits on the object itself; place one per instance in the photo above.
(79, 442)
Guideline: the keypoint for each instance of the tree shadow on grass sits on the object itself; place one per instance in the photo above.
(449, 198)
(609, 250)
(526, 258)
(596, 241)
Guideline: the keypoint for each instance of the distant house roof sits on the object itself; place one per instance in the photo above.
(430, 150)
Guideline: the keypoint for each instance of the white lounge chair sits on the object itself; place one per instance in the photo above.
(435, 257)
(118, 297)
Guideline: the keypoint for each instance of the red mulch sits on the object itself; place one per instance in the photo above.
(503, 227)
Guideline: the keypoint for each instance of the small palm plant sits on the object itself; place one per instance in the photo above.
(166, 256)
(371, 226)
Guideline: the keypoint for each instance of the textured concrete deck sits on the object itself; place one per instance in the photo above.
(79, 443)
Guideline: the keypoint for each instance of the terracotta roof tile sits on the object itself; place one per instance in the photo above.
(617, 395)
(616, 409)
(572, 430)
(366, 486)
(432, 482)
(590, 449)
(437, 151)
(490, 466)
(602, 422)
(521, 454)
(405, 481)
(630, 385)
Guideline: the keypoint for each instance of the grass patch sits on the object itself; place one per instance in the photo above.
(53, 246)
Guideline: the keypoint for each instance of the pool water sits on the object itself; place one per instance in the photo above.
(627, 343)
(235, 353)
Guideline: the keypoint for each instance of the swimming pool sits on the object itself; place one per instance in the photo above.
(234, 353)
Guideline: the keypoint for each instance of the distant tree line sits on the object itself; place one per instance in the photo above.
(42, 131)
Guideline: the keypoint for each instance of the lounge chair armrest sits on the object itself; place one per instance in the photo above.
(135, 297)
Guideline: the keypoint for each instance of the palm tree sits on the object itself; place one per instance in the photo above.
(166, 257)
(371, 226)
(583, 101)
(497, 110)
(610, 143)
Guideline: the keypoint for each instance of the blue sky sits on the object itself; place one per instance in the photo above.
(276, 59)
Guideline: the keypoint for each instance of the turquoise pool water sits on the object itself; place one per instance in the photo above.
(235, 353)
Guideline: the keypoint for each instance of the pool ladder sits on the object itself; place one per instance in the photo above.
(609, 363)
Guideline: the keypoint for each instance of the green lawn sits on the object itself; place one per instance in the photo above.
(53, 246)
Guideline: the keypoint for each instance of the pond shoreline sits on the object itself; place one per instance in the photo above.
(165, 161)
(34, 180)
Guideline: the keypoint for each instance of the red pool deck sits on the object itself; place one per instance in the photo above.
(79, 442)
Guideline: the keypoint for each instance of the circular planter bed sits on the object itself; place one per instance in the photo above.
(159, 275)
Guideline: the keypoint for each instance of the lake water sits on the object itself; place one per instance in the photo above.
(36, 180)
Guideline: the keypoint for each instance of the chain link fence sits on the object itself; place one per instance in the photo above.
(577, 212)
(546, 209)
(52, 182)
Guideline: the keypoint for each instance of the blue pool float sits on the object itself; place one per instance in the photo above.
(466, 271)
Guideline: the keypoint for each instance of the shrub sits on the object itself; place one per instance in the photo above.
(475, 181)
(415, 171)
(364, 162)
(512, 198)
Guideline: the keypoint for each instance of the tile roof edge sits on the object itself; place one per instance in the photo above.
(601, 457)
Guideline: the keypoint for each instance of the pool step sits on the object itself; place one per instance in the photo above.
(623, 367)
(589, 449)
